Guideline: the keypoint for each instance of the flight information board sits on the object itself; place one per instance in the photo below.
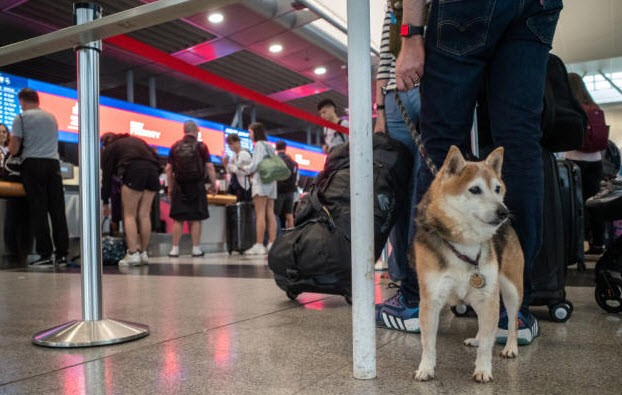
(158, 128)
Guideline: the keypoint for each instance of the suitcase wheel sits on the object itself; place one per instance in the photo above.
(460, 310)
(561, 312)
(291, 294)
(608, 295)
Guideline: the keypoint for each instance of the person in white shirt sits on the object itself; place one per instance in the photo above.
(240, 182)
(327, 110)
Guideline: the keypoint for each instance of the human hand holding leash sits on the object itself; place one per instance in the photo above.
(409, 63)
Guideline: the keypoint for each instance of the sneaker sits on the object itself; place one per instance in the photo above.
(595, 250)
(62, 261)
(144, 258)
(394, 313)
(42, 262)
(269, 247)
(197, 252)
(174, 252)
(130, 259)
(256, 249)
(528, 328)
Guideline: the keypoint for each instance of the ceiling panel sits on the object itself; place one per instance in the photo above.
(254, 72)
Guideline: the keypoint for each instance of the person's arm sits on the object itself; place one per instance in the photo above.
(211, 173)
(17, 133)
(258, 154)
(384, 69)
(14, 145)
(107, 170)
(409, 64)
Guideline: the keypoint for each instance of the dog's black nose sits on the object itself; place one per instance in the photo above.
(502, 212)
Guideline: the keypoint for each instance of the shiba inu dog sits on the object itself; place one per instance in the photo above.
(466, 251)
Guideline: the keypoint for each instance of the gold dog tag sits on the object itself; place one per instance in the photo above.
(477, 280)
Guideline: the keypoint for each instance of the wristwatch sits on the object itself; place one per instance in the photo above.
(410, 30)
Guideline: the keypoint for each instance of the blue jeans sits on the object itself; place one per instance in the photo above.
(506, 43)
(404, 230)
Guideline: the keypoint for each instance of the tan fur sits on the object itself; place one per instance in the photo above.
(444, 278)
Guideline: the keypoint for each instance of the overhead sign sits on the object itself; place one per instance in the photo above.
(158, 128)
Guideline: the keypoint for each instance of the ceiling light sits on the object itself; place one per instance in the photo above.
(216, 17)
(320, 70)
(275, 48)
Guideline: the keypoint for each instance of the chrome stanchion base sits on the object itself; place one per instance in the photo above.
(90, 333)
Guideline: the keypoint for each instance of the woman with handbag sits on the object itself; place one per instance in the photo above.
(264, 194)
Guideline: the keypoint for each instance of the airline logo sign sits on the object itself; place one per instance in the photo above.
(154, 130)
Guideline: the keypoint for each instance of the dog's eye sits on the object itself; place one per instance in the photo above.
(475, 190)
(498, 189)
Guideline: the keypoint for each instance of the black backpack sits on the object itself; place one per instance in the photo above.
(288, 185)
(563, 120)
(187, 163)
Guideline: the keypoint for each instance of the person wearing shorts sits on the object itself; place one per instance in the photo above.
(138, 166)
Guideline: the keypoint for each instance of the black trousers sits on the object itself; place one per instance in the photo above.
(591, 174)
(44, 194)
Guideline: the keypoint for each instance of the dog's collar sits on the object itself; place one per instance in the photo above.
(467, 259)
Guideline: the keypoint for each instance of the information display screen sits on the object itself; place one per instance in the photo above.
(158, 128)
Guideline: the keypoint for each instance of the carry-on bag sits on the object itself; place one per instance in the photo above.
(548, 277)
(573, 212)
(240, 226)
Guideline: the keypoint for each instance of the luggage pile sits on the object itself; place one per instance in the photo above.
(315, 256)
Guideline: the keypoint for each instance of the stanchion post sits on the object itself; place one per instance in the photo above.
(92, 330)
(361, 191)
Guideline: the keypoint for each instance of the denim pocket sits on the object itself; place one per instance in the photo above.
(463, 24)
(543, 24)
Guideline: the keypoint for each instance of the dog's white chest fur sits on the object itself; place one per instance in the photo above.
(453, 284)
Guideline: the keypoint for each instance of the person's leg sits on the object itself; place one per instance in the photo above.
(404, 230)
(56, 207)
(288, 210)
(270, 221)
(178, 227)
(144, 218)
(34, 181)
(195, 233)
(592, 173)
(130, 199)
(260, 216)
(515, 90)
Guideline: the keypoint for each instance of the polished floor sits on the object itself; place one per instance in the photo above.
(219, 325)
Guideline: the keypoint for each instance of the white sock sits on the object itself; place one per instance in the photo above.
(174, 250)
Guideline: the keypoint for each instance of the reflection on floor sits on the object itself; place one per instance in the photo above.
(219, 325)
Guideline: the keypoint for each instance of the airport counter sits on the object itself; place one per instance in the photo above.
(16, 240)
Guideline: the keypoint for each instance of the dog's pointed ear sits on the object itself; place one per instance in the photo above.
(495, 160)
(454, 162)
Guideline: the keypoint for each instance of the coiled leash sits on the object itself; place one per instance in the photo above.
(415, 135)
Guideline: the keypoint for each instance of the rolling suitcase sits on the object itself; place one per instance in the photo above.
(240, 226)
(573, 211)
(549, 272)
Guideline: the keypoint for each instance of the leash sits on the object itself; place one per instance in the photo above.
(415, 135)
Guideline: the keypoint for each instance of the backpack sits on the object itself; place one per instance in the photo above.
(563, 120)
(597, 132)
(288, 185)
(187, 163)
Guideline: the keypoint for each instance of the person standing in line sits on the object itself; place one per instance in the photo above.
(327, 110)
(284, 204)
(188, 163)
(5, 138)
(263, 194)
(138, 166)
(240, 183)
(35, 131)
(507, 45)
(403, 307)
(591, 164)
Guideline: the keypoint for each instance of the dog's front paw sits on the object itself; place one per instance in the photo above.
(473, 342)
(423, 374)
(509, 351)
(482, 376)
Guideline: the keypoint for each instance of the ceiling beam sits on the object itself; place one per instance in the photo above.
(120, 23)
(610, 81)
